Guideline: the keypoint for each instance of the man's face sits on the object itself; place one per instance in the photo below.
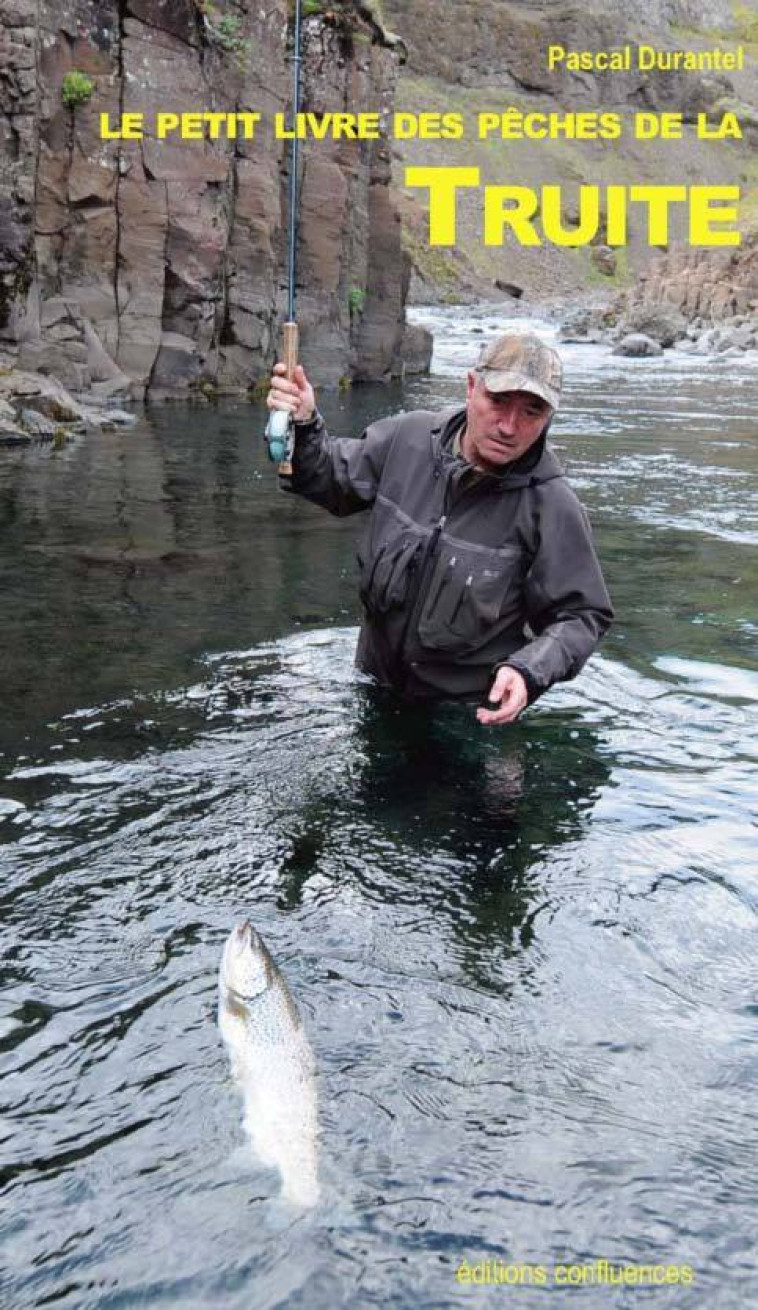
(500, 426)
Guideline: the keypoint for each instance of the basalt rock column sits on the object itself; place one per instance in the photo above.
(158, 265)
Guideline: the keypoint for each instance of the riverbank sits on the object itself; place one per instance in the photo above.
(35, 407)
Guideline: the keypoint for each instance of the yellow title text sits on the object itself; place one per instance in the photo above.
(533, 217)
(510, 124)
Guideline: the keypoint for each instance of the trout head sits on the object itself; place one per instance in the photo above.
(247, 969)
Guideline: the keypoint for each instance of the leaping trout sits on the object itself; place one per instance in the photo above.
(272, 1062)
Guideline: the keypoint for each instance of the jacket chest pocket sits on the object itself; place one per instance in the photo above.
(386, 577)
(467, 592)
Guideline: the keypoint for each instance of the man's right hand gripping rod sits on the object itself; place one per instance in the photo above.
(280, 429)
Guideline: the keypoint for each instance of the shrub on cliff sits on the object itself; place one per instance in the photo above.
(223, 30)
(76, 89)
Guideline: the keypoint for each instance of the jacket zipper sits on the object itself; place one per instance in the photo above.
(422, 591)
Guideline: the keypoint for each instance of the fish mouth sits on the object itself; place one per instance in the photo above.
(246, 967)
(245, 938)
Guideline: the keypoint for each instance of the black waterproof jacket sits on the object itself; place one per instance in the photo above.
(460, 572)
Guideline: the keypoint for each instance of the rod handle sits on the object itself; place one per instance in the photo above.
(290, 345)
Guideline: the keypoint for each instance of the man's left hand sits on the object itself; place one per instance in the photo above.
(508, 697)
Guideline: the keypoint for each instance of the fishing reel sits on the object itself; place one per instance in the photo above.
(280, 436)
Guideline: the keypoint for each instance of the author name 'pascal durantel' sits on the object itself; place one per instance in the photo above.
(644, 59)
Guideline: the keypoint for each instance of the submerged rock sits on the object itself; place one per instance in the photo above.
(637, 346)
(38, 426)
(664, 325)
(739, 338)
(117, 418)
(415, 351)
(12, 435)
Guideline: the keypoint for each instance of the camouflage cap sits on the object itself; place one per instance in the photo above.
(519, 361)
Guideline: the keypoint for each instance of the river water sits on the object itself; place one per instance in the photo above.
(525, 958)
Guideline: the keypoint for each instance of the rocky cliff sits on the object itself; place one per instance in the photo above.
(700, 301)
(710, 285)
(159, 265)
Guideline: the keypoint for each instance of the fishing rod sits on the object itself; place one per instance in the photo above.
(280, 429)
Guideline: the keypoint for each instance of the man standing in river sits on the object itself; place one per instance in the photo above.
(479, 578)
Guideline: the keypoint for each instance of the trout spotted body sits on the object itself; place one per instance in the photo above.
(271, 1061)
